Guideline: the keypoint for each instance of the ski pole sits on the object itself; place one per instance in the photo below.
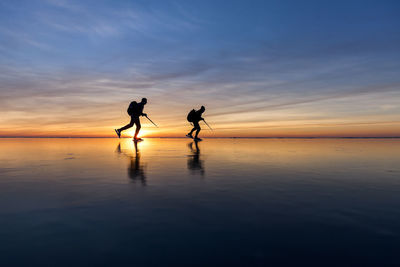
(151, 121)
(208, 125)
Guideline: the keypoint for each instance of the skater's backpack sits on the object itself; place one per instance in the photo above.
(133, 108)
(191, 116)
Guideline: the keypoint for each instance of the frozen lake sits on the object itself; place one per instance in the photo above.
(170, 202)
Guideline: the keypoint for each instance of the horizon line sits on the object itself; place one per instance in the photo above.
(227, 137)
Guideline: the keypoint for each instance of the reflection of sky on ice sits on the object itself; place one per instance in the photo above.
(103, 201)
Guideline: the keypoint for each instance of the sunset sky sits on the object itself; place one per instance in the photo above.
(261, 68)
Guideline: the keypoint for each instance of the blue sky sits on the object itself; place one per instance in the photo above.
(273, 67)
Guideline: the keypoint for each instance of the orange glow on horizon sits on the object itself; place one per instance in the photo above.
(276, 124)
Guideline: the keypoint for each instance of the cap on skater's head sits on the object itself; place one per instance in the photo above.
(144, 100)
(202, 108)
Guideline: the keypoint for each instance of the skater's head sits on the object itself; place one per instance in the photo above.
(202, 109)
(144, 101)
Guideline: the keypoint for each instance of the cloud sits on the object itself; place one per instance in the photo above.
(21, 38)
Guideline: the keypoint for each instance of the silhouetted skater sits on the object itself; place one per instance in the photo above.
(194, 116)
(135, 110)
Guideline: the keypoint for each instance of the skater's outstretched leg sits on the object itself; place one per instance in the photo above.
(129, 125)
(191, 132)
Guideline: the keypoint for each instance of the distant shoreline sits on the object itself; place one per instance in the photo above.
(276, 137)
